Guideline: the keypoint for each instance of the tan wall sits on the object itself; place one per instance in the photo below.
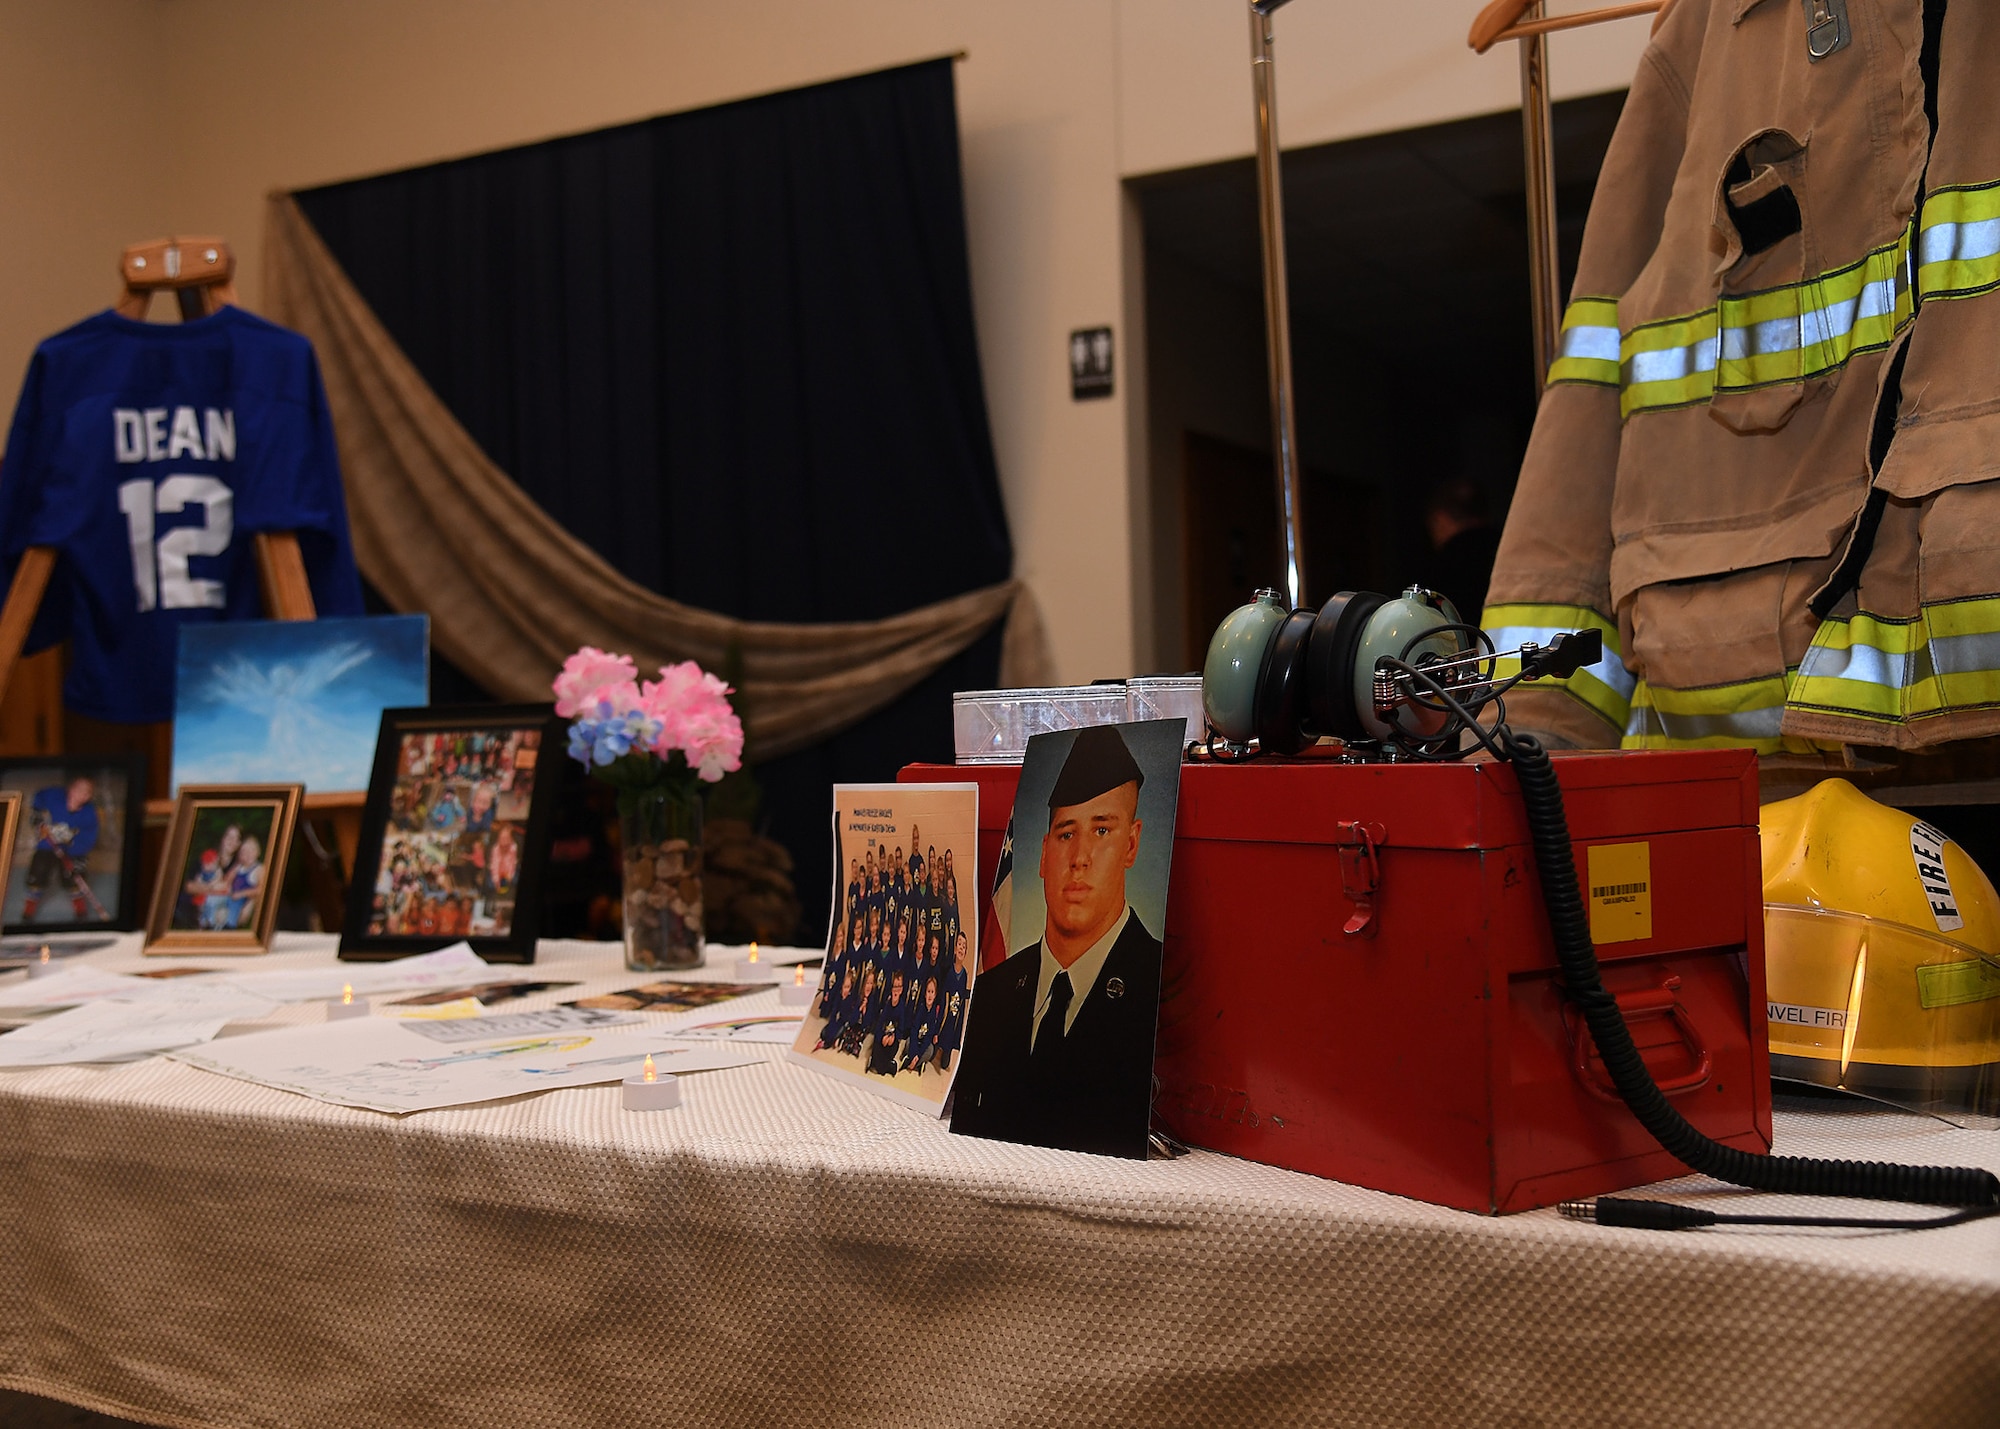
(83, 164)
(129, 118)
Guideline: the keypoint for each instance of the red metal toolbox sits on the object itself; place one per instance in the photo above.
(1360, 981)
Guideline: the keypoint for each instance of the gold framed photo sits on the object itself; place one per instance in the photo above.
(222, 868)
(10, 829)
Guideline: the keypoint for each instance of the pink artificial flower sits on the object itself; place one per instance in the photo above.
(585, 674)
(617, 701)
(716, 749)
(692, 707)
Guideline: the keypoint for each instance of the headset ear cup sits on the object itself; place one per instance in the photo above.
(1336, 636)
(1281, 705)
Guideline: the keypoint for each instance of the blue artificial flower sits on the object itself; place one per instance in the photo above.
(605, 736)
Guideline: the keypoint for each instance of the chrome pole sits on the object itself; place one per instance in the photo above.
(1544, 278)
(1277, 318)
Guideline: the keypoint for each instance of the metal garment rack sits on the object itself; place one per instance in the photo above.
(1521, 20)
(1277, 304)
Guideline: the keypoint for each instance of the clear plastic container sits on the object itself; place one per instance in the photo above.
(1166, 697)
(994, 726)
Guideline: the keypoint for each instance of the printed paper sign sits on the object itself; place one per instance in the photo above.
(393, 1066)
(890, 1011)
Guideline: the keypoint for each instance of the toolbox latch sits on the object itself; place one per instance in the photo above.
(1360, 873)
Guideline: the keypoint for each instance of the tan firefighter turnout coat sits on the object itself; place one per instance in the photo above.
(1767, 464)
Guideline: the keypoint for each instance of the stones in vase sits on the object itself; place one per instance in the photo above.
(663, 903)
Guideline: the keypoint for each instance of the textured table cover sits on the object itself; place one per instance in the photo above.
(190, 1250)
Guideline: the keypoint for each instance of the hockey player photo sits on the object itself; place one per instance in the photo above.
(72, 851)
(64, 822)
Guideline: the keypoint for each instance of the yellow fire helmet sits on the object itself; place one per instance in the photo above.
(1881, 956)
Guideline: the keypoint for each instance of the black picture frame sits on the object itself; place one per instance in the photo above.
(42, 770)
(358, 940)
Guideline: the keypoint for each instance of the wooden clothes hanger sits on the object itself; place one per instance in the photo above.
(1502, 20)
(200, 273)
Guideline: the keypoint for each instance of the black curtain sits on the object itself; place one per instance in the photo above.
(733, 352)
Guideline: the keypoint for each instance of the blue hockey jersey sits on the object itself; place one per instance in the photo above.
(61, 829)
(147, 455)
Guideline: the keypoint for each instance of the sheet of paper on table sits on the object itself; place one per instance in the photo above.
(435, 1011)
(171, 1015)
(70, 987)
(502, 990)
(390, 1065)
(524, 1024)
(74, 986)
(444, 968)
(670, 997)
(779, 1030)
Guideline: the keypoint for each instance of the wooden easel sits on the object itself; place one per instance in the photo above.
(200, 273)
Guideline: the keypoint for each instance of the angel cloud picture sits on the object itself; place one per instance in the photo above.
(302, 699)
(288, 695)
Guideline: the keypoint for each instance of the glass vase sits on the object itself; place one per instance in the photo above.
(661, 832)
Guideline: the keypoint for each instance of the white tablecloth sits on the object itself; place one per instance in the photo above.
(190, 1250)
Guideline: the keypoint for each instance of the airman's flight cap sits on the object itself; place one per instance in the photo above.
(1098, 762)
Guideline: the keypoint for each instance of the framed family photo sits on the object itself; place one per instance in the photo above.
(223, 867)
(455, 834)
(75, 848)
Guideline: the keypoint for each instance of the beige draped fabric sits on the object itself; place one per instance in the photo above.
(439, 528)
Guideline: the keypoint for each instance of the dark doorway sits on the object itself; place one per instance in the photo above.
(1411, 353)
(1229, 527)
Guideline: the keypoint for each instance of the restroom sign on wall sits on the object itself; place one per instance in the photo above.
(1090, 363)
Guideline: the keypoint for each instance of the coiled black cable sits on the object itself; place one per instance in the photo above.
(1548, 826)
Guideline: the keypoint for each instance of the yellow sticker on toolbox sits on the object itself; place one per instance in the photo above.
(1621, 892)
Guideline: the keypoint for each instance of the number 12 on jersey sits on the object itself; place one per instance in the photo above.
(160, 568)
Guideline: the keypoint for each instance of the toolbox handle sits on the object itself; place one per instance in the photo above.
(1661, 1001)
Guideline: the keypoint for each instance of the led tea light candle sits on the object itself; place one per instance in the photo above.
(346, 1005)
(798, 992)
(749, 968)
(649, 1091)
(42, 966)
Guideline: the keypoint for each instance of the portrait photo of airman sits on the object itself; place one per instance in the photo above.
(1059, 1046)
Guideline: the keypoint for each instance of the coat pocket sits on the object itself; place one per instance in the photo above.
(1767, 321)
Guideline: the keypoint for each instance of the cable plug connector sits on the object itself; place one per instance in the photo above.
(1638, 1215)
(1563, 656)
